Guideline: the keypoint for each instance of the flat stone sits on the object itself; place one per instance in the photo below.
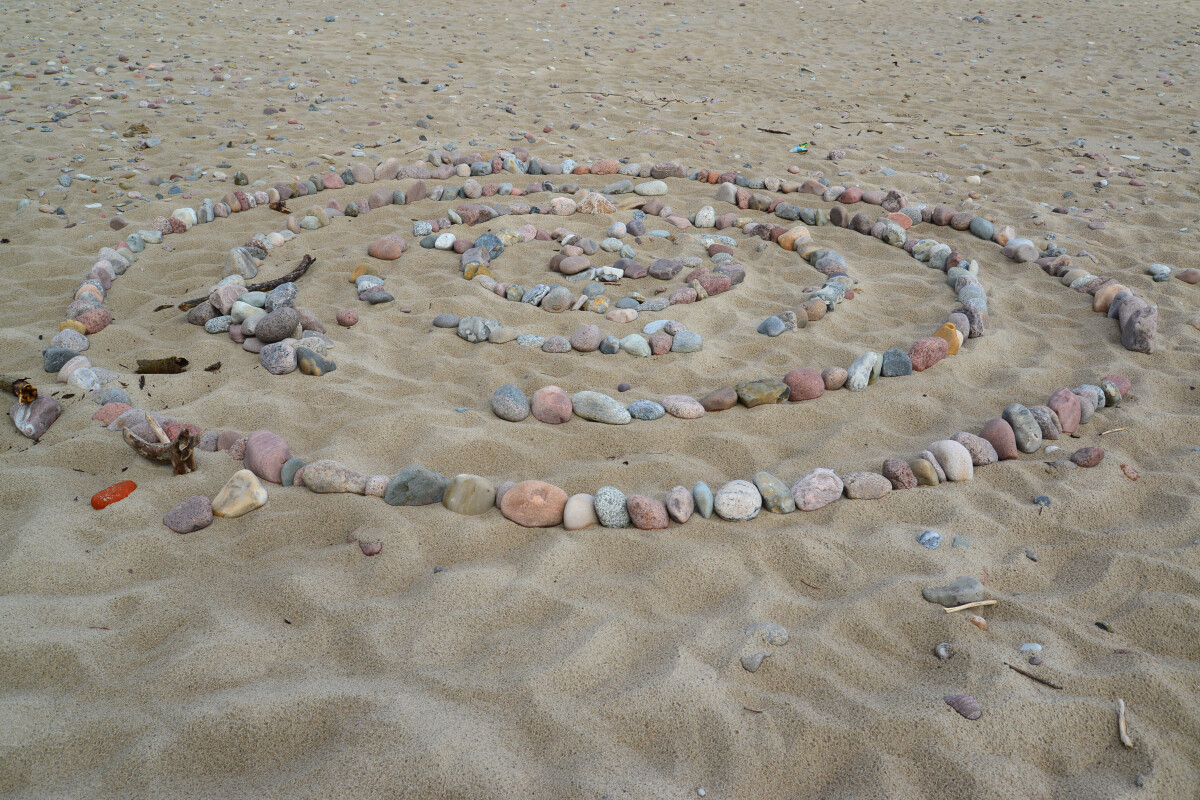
(646, 410)
(817, 489)
(720, 399)
(954, 459)
(416, 486)
(1026, 429)
(326, 476)
(193, 514)
(534, 504)
(961, 591)
(865, 485)
(599, 407)
(683, 406)
(737, 501)
(680, 504)
(241, 495)
(703, 498)
(765, 391)
(646, 513)
(981, 450)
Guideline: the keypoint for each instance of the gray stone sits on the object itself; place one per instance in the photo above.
(646, 410)
(287, 473)
(510, 403)
(963, 590)
(737, 501)
(1027, 430)
(930, 539)
(703, 497)
(685, 342)
(446, 321)
(611, 508)
(53, 358)
(599, 407)
(416, 486)
(776, 498)
(771, 326)
(896, 363)
(476, 329)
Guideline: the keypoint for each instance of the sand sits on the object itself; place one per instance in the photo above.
(266, 657)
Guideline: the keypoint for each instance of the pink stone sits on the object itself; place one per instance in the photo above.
(1065, 404)
(95, 320)
(534, 504)
(331, 180)
(834, 378)
(551, 405)
(1124, 386)
(817, 489)
(646, 513)
(110, 411)
(193, 514)
(362, 173)
(927, 352)
(680, 504)
(265, 455)
(1000, 435)
(805, 384)
(660, 344)
(387, 248)
(347, 317)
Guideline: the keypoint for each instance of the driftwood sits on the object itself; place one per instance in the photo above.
(179, 453)
(24, 391)
(265, 286)
(171, 365)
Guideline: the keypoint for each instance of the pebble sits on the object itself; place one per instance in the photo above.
(899, 473)
(737, 500)
(611, 507)
(721, 399)
(193, 514)
(954, 459)
(312, 363)
(348, 318)
(703, 498)
(551, 405)
(834, 378)
(680, 504)
(265, 455)
(981, 450)
(287, 473)
(999, 434)
(865, 485)
(775, 495)
(241, 495)
(534, 504)
(646, 513)
(683, 406)
(416, 486)
(961, 591)
(1026, 430)
(930, 539)
(1088, 456)
(510, 403)
(470, 495)
(327, 476)
(646, 410)
(446, 321)
(599, 407)
(579, 512)
(817, 489)
(862, 372)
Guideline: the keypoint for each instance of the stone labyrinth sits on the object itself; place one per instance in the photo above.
(624, 304)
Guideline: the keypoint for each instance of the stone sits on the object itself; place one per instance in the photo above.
(862, 372)
(611, 507)
(552, 405)
(446, 321)
(766, 391)
(557, 300)
(193, 514)
(646, 513)
(1088, 456)
(348, 318)
(924, 471)
(1025, 428)
(476, 329)
(510, 403)
(1047, 420)
(387, 248)
(534, 504)
(737, 501)
(686, 342)
(896, 363)
(775, 495)
(804, 384)
(683, 406)
(834, 378)
(241, 495)
(951, 336)
(720, 399)
(287, 474)
(265, 455)
(703, 498)
(311, 362)
(579, 512)
(647, 410)
(1065, 404)
(278, 358)
(865, 485)
(587, 339)
(981, 450)
(470, 495)
(954, 459)
(599, 407)
(961, 591)
(416, 486)
(928, 351)
(54, 358)
(326, 476)
(817, 489)
(277, 325)
(899, 474)
(999, 434)
(34, 419)
(680, 504)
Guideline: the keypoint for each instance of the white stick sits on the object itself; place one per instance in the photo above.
(1121, 729)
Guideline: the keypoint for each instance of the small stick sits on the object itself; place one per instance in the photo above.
(971, 605)
(158, 431)
(809, 585)
(1121, 729)
(24, 391)
(1031, 676)
(753, 710)
(1113, 430)
(171, 365)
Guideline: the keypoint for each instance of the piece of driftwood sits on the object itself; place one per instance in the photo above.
(179, 452)
(171, 365)
(976, 604)
(24, 391)
(1031, 676)
(265, 286)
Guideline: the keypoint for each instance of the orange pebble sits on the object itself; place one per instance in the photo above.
(113, 494)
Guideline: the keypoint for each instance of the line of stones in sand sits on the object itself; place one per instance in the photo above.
(535, 503)
(86, 314)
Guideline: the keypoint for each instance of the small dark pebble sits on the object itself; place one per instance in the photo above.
(1104, 626)
(623, 387)
(1042, 501)
(1032, 556)
(1035, 661)
(439, 569)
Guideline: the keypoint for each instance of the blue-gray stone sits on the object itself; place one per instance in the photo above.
(510, 403)
(703, 497)
(111, 394)
(53, 358)
(772, 326)
(982, 228)
(960, 541)
(930, 539)
(610, 345)
(416, 486)
(896, 363)
(491, 244)
(646, 409)
(287, 473)
(686, 342)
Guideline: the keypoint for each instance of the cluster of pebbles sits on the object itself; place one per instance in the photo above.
(657, 338)
(266, 456)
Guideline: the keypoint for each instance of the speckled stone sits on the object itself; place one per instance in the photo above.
(611, 507)
(416, 486)
(510, 403)
(680, 504)
(865, 485)
(817, 489)
(1026, 429)
(737, 501)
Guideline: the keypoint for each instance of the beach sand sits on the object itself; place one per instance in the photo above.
(266, 657)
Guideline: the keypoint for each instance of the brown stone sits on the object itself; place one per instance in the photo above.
(646, 513)
(805, 384)
(1000, 434)
(720, 400)
(899, 473)
(534, 504)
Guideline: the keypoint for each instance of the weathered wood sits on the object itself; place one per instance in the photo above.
(24, 391)
(171, 365)
(265, 286)
(179, 453)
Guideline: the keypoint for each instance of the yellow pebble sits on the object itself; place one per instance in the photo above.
(72, 325)
(788, 240)
(365, 269)
(951, 335)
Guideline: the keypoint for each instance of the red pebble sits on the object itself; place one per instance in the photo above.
(113, 494)
(347, 317)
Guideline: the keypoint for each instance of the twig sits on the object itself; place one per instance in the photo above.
(956, 133)
(1121, 729)
(158, 431)
(265, 286)
(1031, 676)
(753, 710)
(171, 365)
(971, 605)
(809, 585)
(772, 130)
(1113, 430)
(178, 453)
